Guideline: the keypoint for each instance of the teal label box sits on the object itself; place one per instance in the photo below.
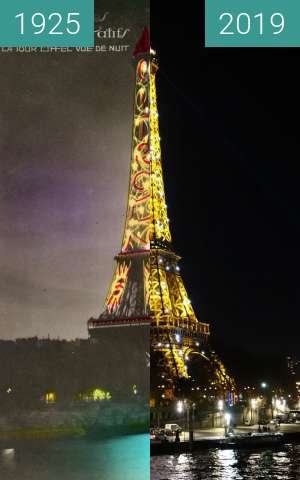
(47, 23)
(252, 23)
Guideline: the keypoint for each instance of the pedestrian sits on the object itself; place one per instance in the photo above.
(177, 437)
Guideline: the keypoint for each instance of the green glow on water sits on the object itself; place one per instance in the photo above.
(131, 455)
(124, 458)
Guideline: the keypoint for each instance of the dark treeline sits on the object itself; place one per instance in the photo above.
(31, 368)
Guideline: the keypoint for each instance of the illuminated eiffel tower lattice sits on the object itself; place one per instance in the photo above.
(147, 289)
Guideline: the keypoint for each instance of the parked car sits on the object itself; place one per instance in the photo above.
(294, 416)
(274, 425)
(158, 435)
(172, 428)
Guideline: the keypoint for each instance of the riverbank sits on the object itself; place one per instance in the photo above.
(101, 419)
(73, 432)
(214, 438)
(41, 433)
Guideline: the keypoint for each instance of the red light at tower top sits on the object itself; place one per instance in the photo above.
(143, 45)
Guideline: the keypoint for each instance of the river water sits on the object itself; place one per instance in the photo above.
(125, 458)
(283, 464)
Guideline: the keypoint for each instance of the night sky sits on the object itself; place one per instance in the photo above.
(230, 146)
(230, 140)
(65, 138)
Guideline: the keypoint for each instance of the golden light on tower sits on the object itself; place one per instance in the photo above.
(147, 288)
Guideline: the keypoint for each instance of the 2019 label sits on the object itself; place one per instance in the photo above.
(252, 23)
(244, 23)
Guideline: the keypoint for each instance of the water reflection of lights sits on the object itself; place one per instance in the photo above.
(179, 466)
(8, 452)
(270, 465)
(225, 466)
(229, 465)
(8, 458)
(182, 462)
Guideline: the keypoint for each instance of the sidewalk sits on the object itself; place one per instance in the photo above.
(216, 433)
(211, 433)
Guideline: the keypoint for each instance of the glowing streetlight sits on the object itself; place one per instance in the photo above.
(180, 406)
(280, 404)
(227, 418)
(227, 421)
(253, 406)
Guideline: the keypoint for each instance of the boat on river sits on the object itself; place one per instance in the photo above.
(253, 439)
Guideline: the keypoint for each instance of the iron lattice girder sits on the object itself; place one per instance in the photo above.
(176, 344)
(159, 225)
(147, 288)
(170, 306)
(146, 217)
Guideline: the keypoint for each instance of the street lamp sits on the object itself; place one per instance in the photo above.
(189, 407)
(227, 419)
(220, 405)
(180, 406)
(280, 404)
(253, 405)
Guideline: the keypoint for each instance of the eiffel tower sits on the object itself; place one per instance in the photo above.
(147, 290)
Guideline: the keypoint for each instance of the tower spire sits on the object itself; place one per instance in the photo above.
(160, 234)
(143, 45)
